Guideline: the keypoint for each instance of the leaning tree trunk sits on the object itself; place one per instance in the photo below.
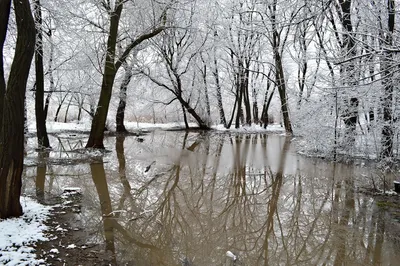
(281, 85)
(41, 131)
(99, 120)
(112, 64)
(267, 102)
(12, 131)
(122, 100)
(279, 73)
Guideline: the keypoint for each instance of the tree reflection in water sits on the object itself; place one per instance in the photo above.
(252, 195)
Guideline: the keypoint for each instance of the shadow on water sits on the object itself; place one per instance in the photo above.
(220, 199)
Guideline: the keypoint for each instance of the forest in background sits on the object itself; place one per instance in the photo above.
(327, 70)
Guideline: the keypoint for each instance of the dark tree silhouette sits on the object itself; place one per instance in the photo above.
(12, 130)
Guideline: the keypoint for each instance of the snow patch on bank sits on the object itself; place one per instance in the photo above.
(19, 235)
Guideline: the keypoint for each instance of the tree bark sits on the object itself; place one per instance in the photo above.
(99, 121)
(239, 96)
(4, 15)
(12, 131)
(267, 102)
(41, 131)
(245, 88)
(111, 67)
(204, 74)
(219, 94)
(122, 100)
(388, 86)
(51, 76)
(350, 113)
(281, 84)
(279, 73)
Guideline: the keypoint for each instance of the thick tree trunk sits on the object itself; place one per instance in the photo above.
(12, 131)
(279, 73)
(99, 120)
(350, 113)
(41, 131)
(4, 15)
(110, 70)
(122, 100)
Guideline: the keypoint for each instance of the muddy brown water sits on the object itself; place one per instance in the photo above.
(170, 198)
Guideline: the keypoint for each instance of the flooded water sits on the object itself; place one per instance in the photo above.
(170, 198)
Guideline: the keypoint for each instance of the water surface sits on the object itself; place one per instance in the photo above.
(172, 198)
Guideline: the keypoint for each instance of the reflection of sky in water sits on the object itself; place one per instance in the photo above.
(198, 196)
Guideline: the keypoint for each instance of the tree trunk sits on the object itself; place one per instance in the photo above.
(51, 76)
(350, 112)
(185, 117)
(99, 120)
(219, 94)
(239, 96)
(267, 102)
(67, 110)
(111, 67)
(4, 15)
(281, 84)
(178, 93)
(41, 131)
(122, 100)
(279, 73)
(255, 110)
(387, 101)
(12, 131)
(246, 97)
(59, 107)
(193, 113)
(206, 92)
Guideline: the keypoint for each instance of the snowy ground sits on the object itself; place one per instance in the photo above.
(19, 235)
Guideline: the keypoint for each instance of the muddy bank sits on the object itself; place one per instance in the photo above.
(69, 242)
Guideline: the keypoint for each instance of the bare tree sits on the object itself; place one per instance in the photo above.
(12, 130)
(41, 131)
(111, 66)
